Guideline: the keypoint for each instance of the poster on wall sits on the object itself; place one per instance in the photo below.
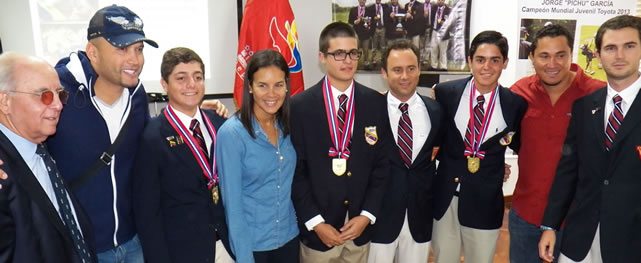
(580, 17)
(438, 28)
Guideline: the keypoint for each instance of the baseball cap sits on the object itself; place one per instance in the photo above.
(119, 26)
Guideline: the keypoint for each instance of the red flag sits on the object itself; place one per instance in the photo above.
(268, 24)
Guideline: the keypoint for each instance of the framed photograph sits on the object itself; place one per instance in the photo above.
(438, 28)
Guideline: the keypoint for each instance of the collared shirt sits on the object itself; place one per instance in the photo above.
(628, 95)
(463, 114)
(543, 131)
(27, 151)
(462, 117)
(186, 121)
(421, 124)
(256, 183)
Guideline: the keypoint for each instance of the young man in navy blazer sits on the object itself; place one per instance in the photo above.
(404, 231)
(481, 118)
(338, 130)
(178, 208)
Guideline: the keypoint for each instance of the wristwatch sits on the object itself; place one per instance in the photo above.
(543, 228)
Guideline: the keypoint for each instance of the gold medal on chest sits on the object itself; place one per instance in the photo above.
(473, 164)
(215, 195)
(339, 166)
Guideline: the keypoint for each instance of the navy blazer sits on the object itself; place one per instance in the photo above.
(315, 188)
(176, 218)
(593, 186)
(30, 227)
(410, 189)
(481, 193)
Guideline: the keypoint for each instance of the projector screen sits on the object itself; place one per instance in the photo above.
(209, 28)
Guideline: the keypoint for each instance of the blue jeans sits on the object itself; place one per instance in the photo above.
(128, 252)
(524, 240)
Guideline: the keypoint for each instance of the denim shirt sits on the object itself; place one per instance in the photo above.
(256, 183)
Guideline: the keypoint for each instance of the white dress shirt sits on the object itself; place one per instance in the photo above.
(421, 123)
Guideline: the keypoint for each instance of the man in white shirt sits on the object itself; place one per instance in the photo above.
(404, 231)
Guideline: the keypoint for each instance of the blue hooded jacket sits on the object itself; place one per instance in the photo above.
(82, 136)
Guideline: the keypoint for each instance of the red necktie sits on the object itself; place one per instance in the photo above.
(198, 135)
(404, 138)
(614, 122)
(478, 123)
(342, 109)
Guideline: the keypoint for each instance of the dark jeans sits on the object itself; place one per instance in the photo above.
(524, 240)
(288, 253)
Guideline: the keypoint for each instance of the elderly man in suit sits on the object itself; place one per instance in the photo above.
(338, 131)
(178, 211)
(40, 219)
(482, 118)
(404, 231)
(595, 193)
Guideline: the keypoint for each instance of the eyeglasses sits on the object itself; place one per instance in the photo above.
(340, 55)
(46, 97)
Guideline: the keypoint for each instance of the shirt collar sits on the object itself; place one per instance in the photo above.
(394, 102)
(336, 92)
(628, 94)
(25, 148)
(186, 119)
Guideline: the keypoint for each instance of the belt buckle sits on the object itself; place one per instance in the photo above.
(105, 158)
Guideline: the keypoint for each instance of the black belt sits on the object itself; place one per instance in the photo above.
(456, 193)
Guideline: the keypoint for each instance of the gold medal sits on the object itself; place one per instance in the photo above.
(339, 166)
(473, 164)
(214, 194)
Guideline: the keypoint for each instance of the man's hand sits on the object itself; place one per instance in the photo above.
(507, 172)
(328, 235)
(354, 227)
(546, 245)
(3, 175)
(217, 106)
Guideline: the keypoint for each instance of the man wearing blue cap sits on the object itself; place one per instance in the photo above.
(98, 133)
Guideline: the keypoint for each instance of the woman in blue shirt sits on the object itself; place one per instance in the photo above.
(256, 162)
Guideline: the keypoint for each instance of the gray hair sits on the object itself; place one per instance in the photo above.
(8, 62)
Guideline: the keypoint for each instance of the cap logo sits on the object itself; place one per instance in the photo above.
(126, 24)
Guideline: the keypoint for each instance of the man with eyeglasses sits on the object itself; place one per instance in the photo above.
(339, 135)
(40, 219)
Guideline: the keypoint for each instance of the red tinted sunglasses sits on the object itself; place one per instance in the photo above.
(46, 97)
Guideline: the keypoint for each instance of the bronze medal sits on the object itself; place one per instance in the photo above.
(214, 194)
(473, 164)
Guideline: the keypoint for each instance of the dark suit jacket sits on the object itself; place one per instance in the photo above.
(176, 218)
(363, 32)
(410, 189)
(446, 13)
(315, 188)
(594, 186)
(371, 9)
(416, 25)
(391, 23)
(30, 227)
(481, 194)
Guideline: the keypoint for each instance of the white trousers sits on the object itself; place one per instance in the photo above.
(449, 238)
(403, 249)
